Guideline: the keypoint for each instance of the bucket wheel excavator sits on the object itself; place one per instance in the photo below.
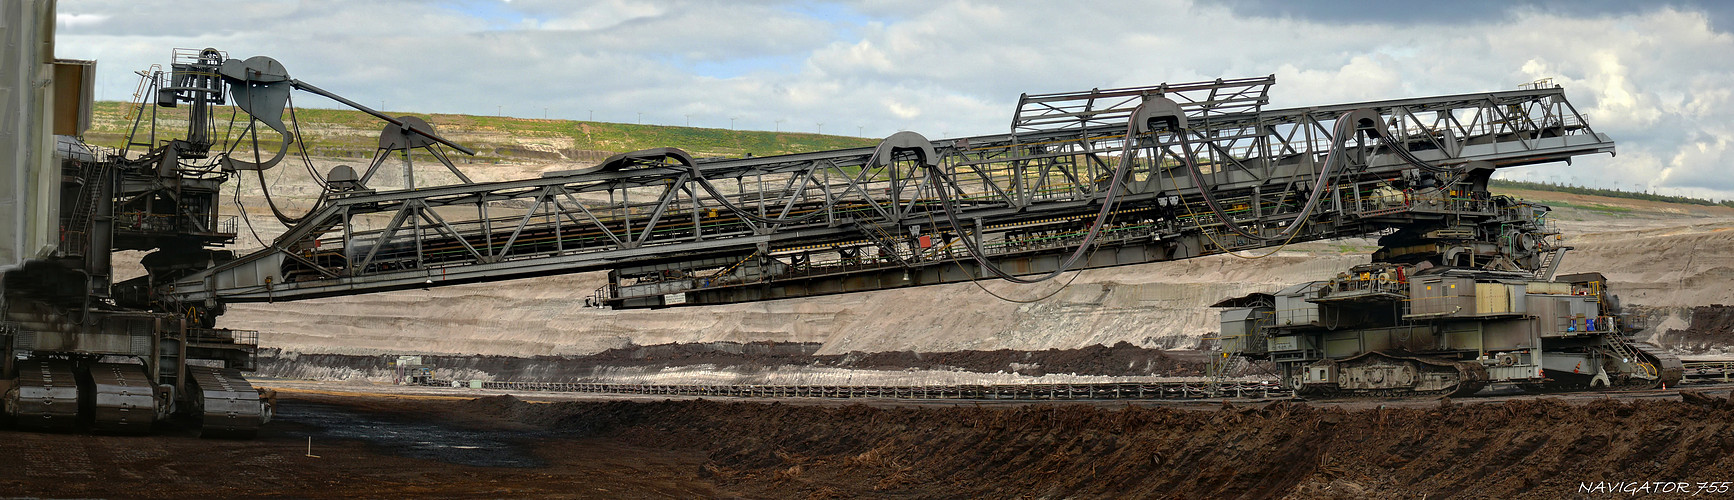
(1461, 294)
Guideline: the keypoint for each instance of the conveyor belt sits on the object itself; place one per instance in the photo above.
(664, 221)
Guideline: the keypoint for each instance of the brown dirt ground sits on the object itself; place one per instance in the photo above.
(1710, 326)
(501, 446)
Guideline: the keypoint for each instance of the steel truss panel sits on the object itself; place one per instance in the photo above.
(712, 231)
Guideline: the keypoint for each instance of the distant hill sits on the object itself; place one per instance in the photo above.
(1504, 185)
(340, 133)
(348, 133)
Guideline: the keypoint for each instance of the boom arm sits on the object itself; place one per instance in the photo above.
(672, 230)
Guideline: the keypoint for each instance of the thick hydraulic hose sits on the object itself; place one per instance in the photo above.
(1345, 128)
(1126, 155)
(1323, 180)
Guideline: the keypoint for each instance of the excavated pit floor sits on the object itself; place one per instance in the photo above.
(446, 444)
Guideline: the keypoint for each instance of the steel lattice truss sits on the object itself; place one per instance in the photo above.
(673, 230)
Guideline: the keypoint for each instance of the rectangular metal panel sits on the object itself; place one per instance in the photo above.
(29, 177)
(1464, 337)
(1517, 372)
(1344, 347)
(74, 82)
(1549, 288)
(1295, 310)
(1569, 362)
(1376, 339)
(1506, 335)
(25, 340)
(1490, 298)
(1547, 311)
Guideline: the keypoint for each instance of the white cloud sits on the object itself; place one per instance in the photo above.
(79, 20)
(902, 111)
(1657, 79)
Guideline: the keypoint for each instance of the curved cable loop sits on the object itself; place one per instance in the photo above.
(300, 144)
(1108, 203)
(1325, 174)
(1340, 139)
(976, 280)
(265, 187)
(1404, 153)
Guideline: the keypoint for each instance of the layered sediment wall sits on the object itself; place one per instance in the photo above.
(1663, 257)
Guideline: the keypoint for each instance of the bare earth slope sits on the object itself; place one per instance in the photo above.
(1667, 257)
(1670, 257)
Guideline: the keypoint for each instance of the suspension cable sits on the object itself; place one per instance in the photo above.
(265, 188)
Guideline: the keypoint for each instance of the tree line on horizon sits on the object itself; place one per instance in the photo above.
(1610, 193)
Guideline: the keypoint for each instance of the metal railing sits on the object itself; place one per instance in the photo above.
(1372, 284)
(219, 336)
(1200, 389)
(1709, 369)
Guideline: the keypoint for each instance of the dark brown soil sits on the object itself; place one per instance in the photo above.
(1711, 327)
(1535, 448)
(375, 446)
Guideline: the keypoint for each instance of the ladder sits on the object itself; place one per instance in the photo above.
(1217, 371)
(1550, 263)
(147, 86)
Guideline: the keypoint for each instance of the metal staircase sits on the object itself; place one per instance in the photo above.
(75, 233)
(1628, 354)
(1550, 263)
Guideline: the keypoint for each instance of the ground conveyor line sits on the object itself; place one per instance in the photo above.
(1080, 391)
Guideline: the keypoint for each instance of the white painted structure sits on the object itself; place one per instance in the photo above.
(29, 177)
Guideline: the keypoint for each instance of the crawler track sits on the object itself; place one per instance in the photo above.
(1669, 368)
(229, 406)
(46, 397)
(122, 399)
(1389, 375)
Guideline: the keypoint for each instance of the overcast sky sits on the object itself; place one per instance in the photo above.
(1657, 76)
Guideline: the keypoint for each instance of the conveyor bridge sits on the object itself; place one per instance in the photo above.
(1202, 168)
